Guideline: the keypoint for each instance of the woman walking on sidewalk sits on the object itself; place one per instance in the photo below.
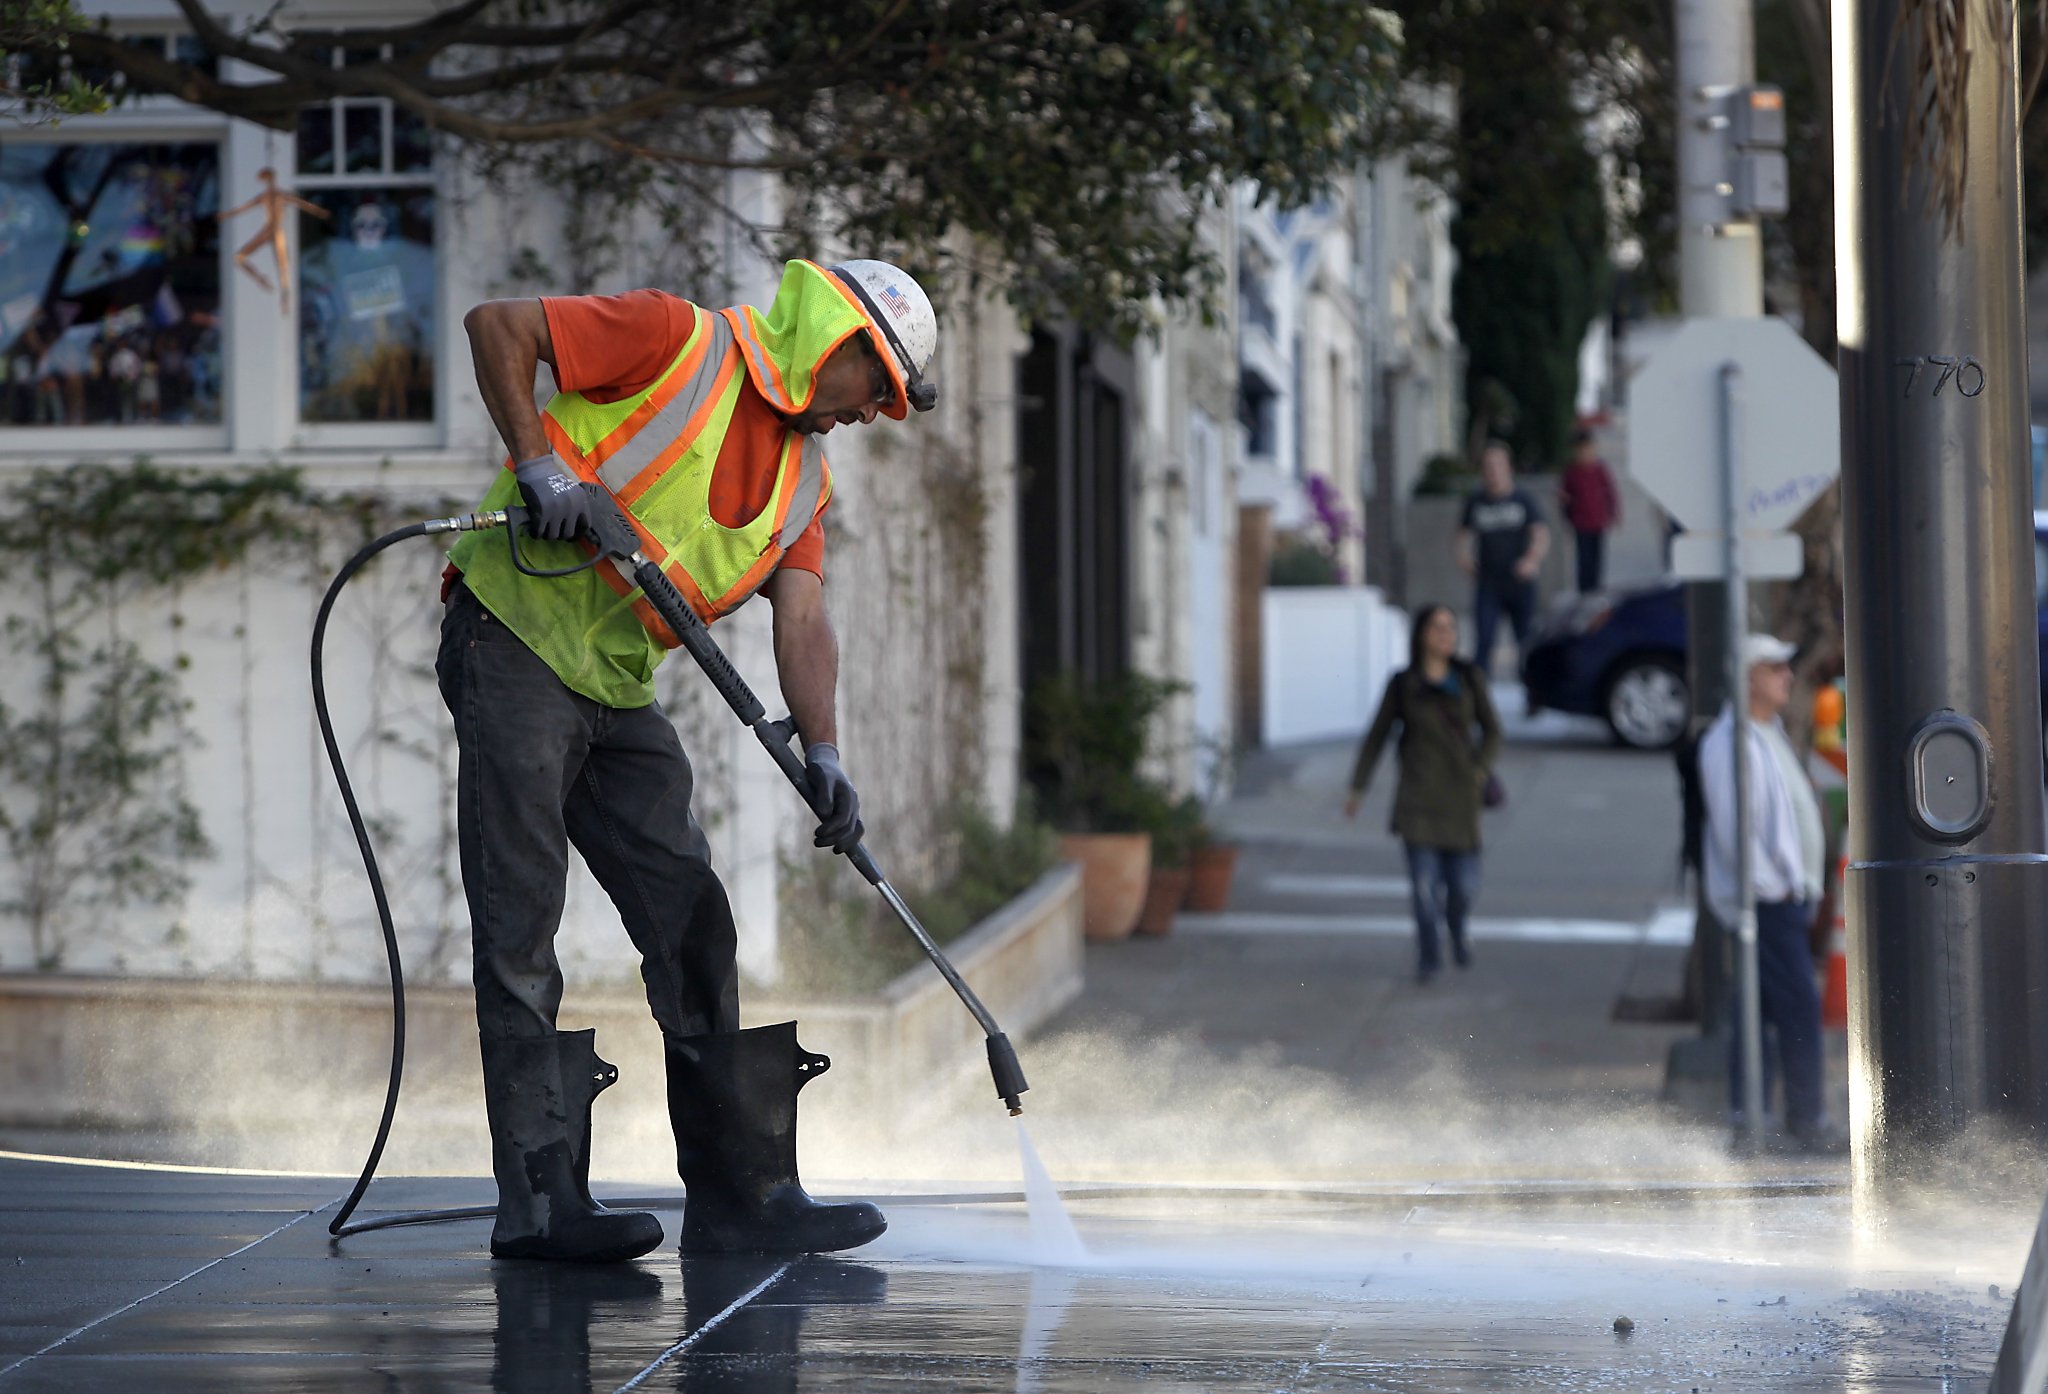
(1446, 778)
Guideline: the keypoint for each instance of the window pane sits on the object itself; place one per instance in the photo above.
(366, 306)
(316, 140)
(109, 284)
(362, 137)
(412, 149)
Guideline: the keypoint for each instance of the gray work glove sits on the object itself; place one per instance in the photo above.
(557, 509)
(829, 789)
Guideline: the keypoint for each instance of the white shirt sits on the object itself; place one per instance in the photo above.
(1786, 840)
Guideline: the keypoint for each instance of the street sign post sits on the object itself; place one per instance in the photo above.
(1734, 428)
(1730, 401)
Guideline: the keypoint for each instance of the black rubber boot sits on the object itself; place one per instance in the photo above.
(538, 1092)
(732, 1101)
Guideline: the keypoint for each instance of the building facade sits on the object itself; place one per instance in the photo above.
(1350, 382)
(1071, 504)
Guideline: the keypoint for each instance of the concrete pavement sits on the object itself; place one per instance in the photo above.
(1315, 959)
(1292, 1170)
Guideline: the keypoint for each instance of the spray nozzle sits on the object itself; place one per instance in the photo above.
(1009, 1075)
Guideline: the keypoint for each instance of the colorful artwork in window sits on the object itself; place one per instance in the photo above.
(109, 284)
(366, 311)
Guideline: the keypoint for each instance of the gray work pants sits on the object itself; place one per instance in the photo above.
(543, 768)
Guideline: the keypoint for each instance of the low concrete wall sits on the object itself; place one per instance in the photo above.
(1329, 651)
(292, 1076)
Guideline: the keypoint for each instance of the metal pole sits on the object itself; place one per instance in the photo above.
(1721, 276)
(1749, 1005)
(1720, 263)
(1947, 878)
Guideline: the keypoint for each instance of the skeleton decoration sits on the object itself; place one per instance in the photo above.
(273, 201)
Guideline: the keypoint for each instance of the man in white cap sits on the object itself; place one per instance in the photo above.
(706, 428)
(1786, 855)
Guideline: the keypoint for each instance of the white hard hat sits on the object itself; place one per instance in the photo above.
(899, 308)
(1766, 648)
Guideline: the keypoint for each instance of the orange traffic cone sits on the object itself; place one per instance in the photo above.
(1834, 995)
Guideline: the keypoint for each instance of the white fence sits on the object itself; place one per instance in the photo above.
(1328, 653)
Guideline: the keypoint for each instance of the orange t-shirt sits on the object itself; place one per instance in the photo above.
(612, 346)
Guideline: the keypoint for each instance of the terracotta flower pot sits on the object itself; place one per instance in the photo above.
(1209, 871)
(1163, 894)
(1115, 869)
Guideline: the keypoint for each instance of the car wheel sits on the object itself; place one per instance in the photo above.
(1648, 704)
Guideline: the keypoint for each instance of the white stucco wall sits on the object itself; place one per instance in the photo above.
(1184, 532)
(919, 561)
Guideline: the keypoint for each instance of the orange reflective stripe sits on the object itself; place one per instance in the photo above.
(756, 577)
(621, 581)
(571, 453)
(813, 487)
(766, 369)
(673, 451)
(677, 377)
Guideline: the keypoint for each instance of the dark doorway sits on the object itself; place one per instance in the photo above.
(1073, 515)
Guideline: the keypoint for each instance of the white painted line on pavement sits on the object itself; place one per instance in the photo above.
(1660, 930)
(1311, 883)
(105, 1317)
(706, 1329)
(1672, 924)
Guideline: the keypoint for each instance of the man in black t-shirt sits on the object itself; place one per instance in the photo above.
(1500, 544)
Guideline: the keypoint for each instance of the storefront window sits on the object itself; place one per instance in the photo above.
(109, 284)
(366, 309)
(366, 269)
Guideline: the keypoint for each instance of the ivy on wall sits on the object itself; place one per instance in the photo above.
(94, 737)
(90, 810)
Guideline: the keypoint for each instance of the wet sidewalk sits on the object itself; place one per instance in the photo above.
(145, 1279)
(1294, 1169)
(1304, 990)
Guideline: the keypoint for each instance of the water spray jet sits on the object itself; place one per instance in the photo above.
(611, 537)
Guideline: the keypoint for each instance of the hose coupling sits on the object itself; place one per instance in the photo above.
(468, 522)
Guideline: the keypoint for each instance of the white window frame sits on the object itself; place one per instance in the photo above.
(132, 126)
(371, 435)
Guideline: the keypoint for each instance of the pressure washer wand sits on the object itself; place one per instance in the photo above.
(614, 535)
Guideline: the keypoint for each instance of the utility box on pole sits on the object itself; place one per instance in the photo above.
(1759, 181)
(1948, 884)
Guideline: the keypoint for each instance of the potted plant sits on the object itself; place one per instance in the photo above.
(1211, 865)
(1173, 832)
(1083, 745)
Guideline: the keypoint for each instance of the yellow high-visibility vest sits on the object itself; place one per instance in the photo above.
(655, 453)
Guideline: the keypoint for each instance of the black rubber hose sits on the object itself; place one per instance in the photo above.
(356, 563)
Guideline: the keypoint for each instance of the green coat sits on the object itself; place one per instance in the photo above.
(1443, 769)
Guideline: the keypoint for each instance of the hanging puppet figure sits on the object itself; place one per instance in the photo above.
(274, 201)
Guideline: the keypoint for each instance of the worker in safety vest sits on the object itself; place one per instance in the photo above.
(708, 427)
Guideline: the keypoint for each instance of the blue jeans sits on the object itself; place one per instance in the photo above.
(1791, 1011)
(543, 768)
(1592, 548)
(1443, 881)
(1490, 600)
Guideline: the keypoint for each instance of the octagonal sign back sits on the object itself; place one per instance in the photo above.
(1789, 422)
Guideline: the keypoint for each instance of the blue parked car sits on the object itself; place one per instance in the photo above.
(1621, 657)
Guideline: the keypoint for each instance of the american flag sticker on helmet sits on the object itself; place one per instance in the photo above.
(895, 300)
